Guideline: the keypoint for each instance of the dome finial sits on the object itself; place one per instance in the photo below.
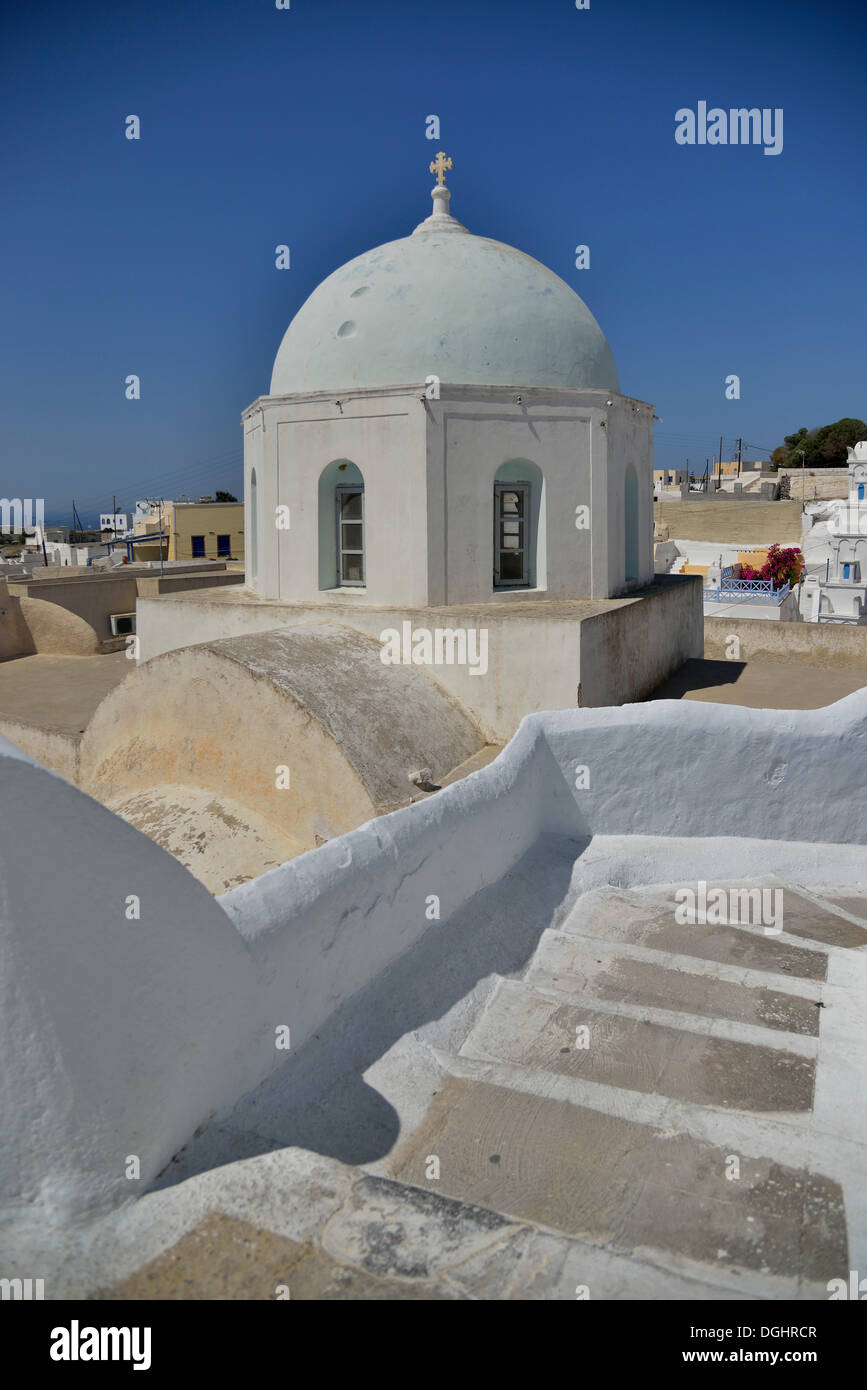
(440, 219)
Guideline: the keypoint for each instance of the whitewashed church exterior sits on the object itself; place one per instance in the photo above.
(445, 458)
(445, 426)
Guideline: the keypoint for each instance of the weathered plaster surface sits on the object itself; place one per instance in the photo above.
(301, 734)
(539, 651)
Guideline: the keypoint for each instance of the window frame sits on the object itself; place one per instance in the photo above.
(203, 555)
(342, 490)
(523, 521)
(227, 553)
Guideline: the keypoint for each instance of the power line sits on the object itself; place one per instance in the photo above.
(224, 456)
(220, 466)
(220, 461)
(165, 486)
(703, 439)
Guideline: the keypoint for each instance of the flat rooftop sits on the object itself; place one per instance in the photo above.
(567, 609)
(760, 684)
(59, 693)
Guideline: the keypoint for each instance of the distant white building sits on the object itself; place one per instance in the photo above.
(64, 553)
(116, 522)
(840, 595)
(47, 534)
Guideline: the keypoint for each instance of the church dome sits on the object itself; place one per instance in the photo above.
(443, 302)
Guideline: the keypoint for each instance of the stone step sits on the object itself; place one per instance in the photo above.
(800, 915)
(853, 903)
(527, 1028)
(623, 1184)
(615, 915)
(597, 970)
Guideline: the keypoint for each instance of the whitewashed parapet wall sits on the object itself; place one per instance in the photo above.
(686, 768)
(114, 1025)
(122, 1035)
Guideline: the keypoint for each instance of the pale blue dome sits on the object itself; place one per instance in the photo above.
(467, 309)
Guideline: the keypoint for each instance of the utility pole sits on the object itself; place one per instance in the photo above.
(740, 447)
(158, 502)
(720, 458)
(803, 476)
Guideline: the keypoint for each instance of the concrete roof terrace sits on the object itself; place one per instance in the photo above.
(584, 1062)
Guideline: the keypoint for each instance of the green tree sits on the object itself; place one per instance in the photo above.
(822, 448)
(220, 496)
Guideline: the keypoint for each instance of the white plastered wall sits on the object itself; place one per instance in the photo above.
(629, 430)
(384, 437)
(468, 442)
(429, 468)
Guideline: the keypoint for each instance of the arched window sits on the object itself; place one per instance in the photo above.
(342, 562)
(254, 528)
(630, 521)
(519, 526)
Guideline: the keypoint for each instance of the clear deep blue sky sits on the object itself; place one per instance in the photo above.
(306, 127)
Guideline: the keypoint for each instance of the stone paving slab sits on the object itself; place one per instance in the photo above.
(223, 1258)
(806, 919)
(624, 1184)
(621, 917)
(573, 966)
(531, 1030)
(854, 904)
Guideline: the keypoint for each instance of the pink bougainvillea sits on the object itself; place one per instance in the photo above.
(781, 566)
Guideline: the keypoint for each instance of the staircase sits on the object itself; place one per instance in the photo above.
(648, 1086)
(641, 1109)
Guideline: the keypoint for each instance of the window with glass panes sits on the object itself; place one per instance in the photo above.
(350, 535)
(511, 517)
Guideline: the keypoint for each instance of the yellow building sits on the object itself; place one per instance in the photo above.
(206, 531)
(668, 477)
(201, 530)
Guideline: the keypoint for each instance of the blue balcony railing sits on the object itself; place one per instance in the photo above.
(747, 591)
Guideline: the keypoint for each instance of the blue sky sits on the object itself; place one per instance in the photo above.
(307, 127)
